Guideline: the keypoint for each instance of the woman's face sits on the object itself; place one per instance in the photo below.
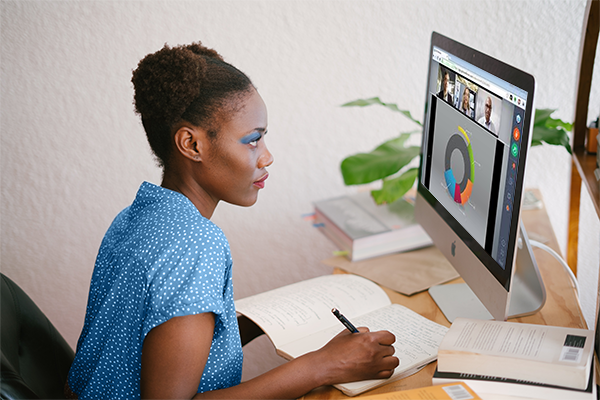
(465, 99)
(235, 163)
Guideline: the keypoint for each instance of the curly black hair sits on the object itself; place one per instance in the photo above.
(184, 83)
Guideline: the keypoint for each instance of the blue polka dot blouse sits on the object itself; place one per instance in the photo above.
(159, 259)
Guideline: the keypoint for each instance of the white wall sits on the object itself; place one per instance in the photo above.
(74, 153)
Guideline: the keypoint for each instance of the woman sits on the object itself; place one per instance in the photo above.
(465, 108)
(160, 320)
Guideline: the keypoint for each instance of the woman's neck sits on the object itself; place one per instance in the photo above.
(183, 184)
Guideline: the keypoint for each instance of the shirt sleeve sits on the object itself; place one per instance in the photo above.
(188, 277)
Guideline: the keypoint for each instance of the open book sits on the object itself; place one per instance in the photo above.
(298, 319)
(538, 353)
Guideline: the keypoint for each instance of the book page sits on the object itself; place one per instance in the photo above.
(417, 338)
(417, 341)
(295, 311)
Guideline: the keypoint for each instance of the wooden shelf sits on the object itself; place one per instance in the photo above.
(586, 164)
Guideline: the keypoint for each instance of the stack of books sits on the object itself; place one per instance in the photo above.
(362, 229)
(515, 359)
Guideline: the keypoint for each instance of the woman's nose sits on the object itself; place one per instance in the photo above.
(265, 159)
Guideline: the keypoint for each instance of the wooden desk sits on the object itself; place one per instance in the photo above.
(562, 306)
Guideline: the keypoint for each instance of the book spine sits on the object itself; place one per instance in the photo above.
(514, 387)
(334, 233)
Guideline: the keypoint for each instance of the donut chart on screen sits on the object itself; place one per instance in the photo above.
(460, 191)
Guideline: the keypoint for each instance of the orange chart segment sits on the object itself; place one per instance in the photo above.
(467, 193)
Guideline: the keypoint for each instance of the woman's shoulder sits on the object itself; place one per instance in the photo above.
(172, 213)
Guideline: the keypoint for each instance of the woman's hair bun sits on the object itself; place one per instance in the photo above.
(166, 82)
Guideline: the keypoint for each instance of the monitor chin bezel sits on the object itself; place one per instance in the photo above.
(490, 291)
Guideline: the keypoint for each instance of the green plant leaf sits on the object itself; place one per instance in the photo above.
(550, 130)
(558, 137)
(377, 101)
(395, 188)
(557, 123)
(541, 115)
(387, 159)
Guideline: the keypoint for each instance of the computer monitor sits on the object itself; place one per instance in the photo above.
(476, 136)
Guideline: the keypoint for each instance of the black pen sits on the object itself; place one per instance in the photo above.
(344, 321)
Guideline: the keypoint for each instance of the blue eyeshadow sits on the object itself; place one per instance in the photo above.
(253, 137)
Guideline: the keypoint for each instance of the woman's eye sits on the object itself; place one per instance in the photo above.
(251, 139)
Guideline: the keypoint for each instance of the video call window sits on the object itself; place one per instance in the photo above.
(445, 85)
(464, 97)
(488, 111)
(470, 99)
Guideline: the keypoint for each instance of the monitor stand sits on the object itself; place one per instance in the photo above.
(528, 294)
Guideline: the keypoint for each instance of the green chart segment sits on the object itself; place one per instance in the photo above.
(461, 190)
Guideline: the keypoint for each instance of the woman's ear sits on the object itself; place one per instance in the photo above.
(189, 142)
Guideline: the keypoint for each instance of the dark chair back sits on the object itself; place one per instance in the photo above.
(35, 357)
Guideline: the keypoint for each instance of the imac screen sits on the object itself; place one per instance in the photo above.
(475, 137)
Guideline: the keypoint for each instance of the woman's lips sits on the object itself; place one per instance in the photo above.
(261, 182)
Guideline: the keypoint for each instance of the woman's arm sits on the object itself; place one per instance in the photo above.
(174, 355)
(175, 352)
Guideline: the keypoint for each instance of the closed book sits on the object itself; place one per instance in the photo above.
(448, 391)
(363, 229)
(538, 353)
(483, 384)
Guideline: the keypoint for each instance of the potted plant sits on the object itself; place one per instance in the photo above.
(392, 161)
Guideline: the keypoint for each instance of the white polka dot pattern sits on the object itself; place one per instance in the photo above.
(159, 259)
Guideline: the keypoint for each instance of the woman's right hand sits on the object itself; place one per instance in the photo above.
(358, 356)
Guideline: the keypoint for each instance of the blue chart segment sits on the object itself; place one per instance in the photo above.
(461, 190)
